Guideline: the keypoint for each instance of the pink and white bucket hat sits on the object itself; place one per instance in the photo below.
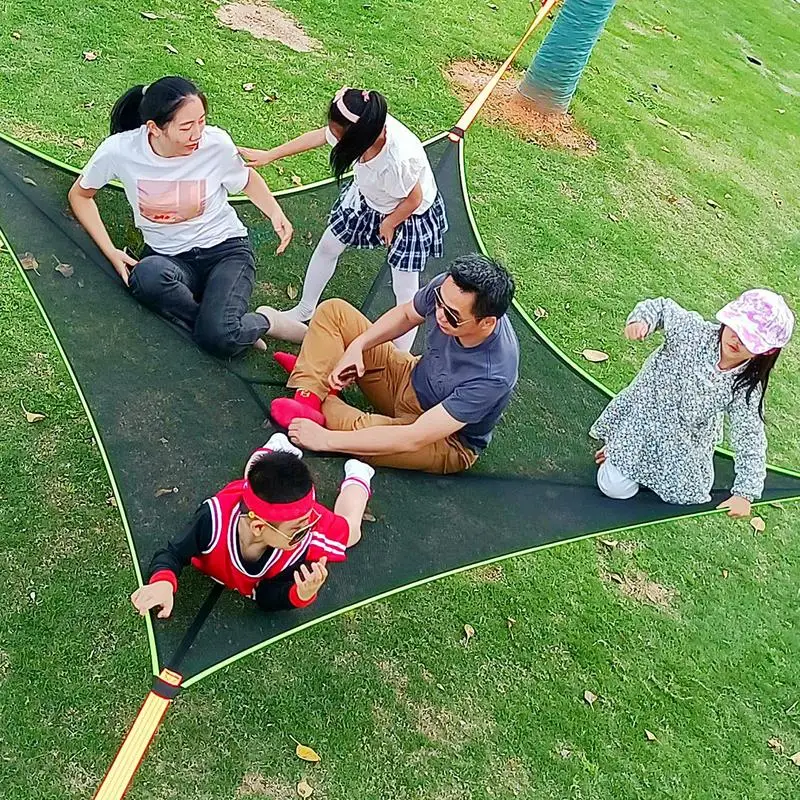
(760, 318)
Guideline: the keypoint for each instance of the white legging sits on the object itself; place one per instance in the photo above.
(320, 270)
(612, 483)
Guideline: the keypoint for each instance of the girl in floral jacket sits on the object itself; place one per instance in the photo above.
(660, 432)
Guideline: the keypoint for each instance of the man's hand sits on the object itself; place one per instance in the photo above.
(283, 228)
(120, 260)
(309, 581)
(738, 507)
(386, 231)
(636, 331)
(308, 434)
(349, 368)
(255, 158)
(154, 595)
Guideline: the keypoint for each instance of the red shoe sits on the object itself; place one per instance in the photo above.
(303, 404)
(285, 360)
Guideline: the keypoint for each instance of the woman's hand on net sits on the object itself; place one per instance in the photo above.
(122, 263)
(636, 331)
(255, 158)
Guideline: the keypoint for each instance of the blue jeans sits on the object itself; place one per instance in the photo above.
(205, 290)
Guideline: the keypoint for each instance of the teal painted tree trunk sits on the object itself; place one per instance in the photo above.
(553, 76)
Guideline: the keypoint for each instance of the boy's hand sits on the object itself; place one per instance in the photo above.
(158, 594)
(737, 507)
(636, 331)
(309, 581)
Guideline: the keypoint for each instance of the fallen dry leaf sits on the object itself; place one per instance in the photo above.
(469, 633)
(162, 492)
(725, 573)
(686, 134)
(79, 142)
(540, 313)
(29, 181)
(795, 759)
(304, 789)
(16, 35)
(666, 149)
(564, 753)
(90, 55)
(28, 262)
(510, 622)
(650, 736)
(590, 697)
(31, 416)
(712, 203)
(781, 110)
(611, 544)
(662, 121)
(616, 577)
(111, 501)
(753, 60)
(778, 504)
(297, 180)
(270, 98)
(171, 49)
(291, 291)
(368, 517)
(65, 269)
(149, 15)
(248, 87)
(776, 745)
(305, 753)
(758, 524)
(613, 217)
(199, 62)
(595, 356)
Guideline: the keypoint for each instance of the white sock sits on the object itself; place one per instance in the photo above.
(405, 286)
(320, 270)
(359, 473)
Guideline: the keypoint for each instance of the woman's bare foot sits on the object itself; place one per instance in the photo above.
(600, 456)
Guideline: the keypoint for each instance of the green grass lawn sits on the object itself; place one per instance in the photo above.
(395, 705)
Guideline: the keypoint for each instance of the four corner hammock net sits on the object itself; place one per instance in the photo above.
(166, 414)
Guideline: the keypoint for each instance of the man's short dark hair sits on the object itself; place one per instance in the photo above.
(280, 478)
(488, 280)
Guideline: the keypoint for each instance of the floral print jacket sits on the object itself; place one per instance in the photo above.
(662, 429)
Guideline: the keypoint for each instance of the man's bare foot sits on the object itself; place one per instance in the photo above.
(281, 326)
(260, 345)
(600, 456)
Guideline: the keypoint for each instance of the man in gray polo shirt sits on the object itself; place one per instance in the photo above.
(436, 412)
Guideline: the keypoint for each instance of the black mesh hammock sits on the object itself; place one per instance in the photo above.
(166, 414)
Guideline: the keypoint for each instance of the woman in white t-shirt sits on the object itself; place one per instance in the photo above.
(197, 268)
(392, 201)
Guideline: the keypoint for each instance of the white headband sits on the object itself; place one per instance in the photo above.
(338, 98)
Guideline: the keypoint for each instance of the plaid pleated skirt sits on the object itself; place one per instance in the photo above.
(417, 239)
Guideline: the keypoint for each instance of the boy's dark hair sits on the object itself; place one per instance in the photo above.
(488, 280)
(159, 102)
(358, 136)
(280, 478)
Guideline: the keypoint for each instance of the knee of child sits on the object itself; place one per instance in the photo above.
(355, 531)
(613, 484)
(332, 307)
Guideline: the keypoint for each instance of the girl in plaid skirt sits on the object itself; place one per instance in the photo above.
(392, 201)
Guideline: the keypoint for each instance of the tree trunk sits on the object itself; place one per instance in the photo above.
(552, 78)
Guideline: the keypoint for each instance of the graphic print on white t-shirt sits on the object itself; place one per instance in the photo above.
(169, 202)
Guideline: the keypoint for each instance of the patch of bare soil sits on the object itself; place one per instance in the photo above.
(507, 106)
(264, 21)
(639, 587)
(255, 785)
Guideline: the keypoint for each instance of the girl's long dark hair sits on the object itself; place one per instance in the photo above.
(756, 373)
(159, 103)
(358, 136)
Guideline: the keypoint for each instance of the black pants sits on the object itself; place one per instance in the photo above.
(206, 290)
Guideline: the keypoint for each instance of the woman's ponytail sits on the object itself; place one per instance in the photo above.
(362, 116)
(125, 114)
(158, 102)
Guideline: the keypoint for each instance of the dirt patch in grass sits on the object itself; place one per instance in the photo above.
(638, 586)
(394, 677)
(255, 785)
(493, 573)
(264, 21)
(506, 106)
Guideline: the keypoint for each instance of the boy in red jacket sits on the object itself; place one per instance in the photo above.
(264, 536)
